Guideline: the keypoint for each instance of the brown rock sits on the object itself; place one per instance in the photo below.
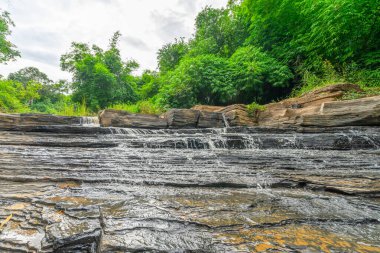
(11, 121)
(292, 111)
(118, 118)
(182, 118)
(210, 120)
(237, 115)
(207, 108)
(357, 112)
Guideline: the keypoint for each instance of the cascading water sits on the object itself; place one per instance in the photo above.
(190, 190)
(226, 123)
(89, 121)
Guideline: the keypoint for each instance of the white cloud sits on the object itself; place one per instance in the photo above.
(45, 28)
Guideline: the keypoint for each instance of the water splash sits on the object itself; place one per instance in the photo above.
(89, 121)
(226, 123)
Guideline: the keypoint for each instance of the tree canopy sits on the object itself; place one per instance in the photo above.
(100, 77)
(7, 49)
(249, 51)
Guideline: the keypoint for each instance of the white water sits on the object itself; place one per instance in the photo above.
(89, 121)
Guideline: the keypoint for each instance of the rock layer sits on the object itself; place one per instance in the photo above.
(190, 190)
(322, 108)
(119, 118)
(11, 121)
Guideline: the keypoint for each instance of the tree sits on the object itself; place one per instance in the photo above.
(100, 78)
(205, 79)
(170, 55)
(258, 77)
(219, 31)
(7, 49)
(32, 78)
(29, 74)
(149, 84)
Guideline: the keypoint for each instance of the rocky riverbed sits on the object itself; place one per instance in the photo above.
(92, 189)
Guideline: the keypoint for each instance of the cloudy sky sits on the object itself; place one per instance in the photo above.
(45, 28)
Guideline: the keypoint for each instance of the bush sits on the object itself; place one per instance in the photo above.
(144, 107)
(258, 76)
(254, 107)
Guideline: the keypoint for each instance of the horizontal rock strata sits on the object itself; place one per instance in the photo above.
(118, 118)
(320, 108)
(11, 121)
(190, 190)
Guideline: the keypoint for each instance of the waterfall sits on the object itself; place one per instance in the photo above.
(226, 123)
(191, 184)
(89, 121)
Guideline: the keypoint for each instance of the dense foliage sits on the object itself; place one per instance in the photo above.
(251, 51)
(100, 78)
(7, 49)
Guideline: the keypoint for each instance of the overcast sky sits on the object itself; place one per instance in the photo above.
(45, 28)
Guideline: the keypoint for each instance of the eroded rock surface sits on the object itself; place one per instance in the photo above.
(12, 121)
(119, 118)
(190, 190)
(323, 108)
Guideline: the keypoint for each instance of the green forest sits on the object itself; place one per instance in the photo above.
(251, 51)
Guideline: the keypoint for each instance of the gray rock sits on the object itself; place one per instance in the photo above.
(12, 121)
(358, 112)
(118, 118)
(210, 120)
(182, 118)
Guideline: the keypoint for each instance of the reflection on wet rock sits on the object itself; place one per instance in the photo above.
(190, 190)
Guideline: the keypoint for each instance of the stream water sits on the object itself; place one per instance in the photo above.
(91, 189)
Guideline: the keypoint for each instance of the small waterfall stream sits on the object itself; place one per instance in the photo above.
(89, 121)
(225, 120)
(91, 189)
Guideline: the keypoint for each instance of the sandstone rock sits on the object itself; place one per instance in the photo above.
(210, 120)
(237, 115)
(207, 108)
(118, 118)
(182, 118)
(12, 121)
(357, 112)
(293, 111)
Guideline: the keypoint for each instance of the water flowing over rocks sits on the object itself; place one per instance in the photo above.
(85, 188)
(303, 175)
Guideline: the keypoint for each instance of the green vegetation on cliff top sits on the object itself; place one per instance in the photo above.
(251, 51)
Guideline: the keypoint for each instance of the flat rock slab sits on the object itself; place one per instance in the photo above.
(12, 121)
(118, 118)
(244, 190)
(182, 118)
(358, 112)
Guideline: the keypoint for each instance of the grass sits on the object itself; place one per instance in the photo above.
(144, 107)
(254, 108)
(368, 80)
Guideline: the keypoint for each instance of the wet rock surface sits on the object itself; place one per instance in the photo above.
(90, 189)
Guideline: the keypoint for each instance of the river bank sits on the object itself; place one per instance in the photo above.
(68, 184)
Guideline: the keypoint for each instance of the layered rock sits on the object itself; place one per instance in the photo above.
(175, 118)
(238, 115)
(210, 120)
(191, 190)
(12, 121)
(322, 108)
(358, 112)
(118, 118)
(182, 118)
